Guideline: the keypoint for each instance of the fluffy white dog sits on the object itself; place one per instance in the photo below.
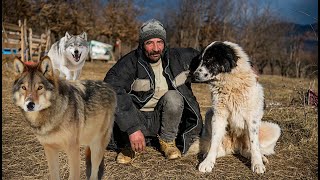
(233, 124)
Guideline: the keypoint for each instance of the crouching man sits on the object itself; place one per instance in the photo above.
(154, 95)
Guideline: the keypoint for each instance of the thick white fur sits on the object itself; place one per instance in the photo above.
(61, 55)
(233, 125)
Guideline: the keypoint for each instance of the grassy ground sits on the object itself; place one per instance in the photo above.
(296, 151)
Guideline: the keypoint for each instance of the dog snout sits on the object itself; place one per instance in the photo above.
(196, 74)
(76, 51)
(31, 106)
(199, 73)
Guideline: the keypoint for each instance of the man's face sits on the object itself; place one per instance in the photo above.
(154, 48)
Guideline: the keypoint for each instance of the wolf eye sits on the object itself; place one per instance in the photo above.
(23, 87)
(40, 87)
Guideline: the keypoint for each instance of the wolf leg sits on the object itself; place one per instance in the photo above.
(66, 71)
(76, 74)
(73, 153)
(219, 123)
(97, 158)
(256, 157)
(53, 161)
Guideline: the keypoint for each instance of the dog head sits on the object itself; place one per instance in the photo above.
(217, 57)
(34, 84)
(76, 48)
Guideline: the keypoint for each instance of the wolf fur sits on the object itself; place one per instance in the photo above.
(69, 54)
(233, 124)
(65, 114)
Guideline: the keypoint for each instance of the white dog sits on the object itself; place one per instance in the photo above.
(69, 54)
(233, 125)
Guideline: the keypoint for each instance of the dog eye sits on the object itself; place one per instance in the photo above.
(23, 87)
(40, 87)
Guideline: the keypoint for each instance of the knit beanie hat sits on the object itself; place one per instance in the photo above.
(152, 29)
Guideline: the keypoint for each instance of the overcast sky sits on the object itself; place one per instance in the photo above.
(296, 11)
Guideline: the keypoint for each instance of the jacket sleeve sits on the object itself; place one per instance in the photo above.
(188, 56)
(190, 60)
(120, 77)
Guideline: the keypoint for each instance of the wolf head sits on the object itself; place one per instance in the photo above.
(34, 85)
(216, 58)
(76, 47)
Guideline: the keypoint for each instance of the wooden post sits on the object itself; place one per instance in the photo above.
(42, 38)
(30, 43)
(22, 41)
(26, 39)
(48, 41)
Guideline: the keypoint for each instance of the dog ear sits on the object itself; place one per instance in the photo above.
(45, 67)
(68, 36)
(18, 65)
(194, 64)
(84, 35)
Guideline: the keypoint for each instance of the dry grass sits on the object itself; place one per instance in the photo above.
(296, 152)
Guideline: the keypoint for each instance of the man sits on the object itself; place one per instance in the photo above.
(154, 96)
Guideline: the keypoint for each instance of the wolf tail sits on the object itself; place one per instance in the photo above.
(89, 165)
(268, 136)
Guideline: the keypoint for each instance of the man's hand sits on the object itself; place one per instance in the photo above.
(137, 141)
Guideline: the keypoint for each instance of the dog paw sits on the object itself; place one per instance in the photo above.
(206, 166)
(258, 168)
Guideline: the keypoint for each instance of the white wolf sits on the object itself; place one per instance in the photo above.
(69, 54)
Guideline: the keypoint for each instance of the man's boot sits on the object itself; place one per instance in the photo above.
(125, 156)
(170, 149)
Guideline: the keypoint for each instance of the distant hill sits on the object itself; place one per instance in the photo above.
(309, 33)
(305, 29)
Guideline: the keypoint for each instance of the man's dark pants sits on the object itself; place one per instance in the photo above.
(163, 121)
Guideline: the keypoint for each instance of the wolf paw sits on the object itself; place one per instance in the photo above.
(265, 160)
(258, 168)
(206, 166)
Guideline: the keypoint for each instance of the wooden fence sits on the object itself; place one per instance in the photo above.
(20, 41)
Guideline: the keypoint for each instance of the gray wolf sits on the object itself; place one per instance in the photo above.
(69, 54)
(64, 115)
(233, 124)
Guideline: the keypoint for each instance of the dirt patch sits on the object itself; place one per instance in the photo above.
(296, 152)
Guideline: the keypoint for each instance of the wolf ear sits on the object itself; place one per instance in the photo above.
(84, 35)
(68, 36)
(18, 65)
(45, 67)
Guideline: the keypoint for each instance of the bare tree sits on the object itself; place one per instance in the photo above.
(14, 10)
(119, 22)
(184, 26)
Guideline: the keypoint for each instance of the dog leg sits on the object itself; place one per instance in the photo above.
(73, 153)
(256, 156)
(52, 155)
(218, 131)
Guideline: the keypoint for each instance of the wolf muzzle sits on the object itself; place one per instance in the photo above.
(76, 55)
(30, 106)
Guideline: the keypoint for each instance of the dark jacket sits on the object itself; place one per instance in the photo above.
(133, 80)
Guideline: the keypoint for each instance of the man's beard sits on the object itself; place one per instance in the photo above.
(152, 57)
